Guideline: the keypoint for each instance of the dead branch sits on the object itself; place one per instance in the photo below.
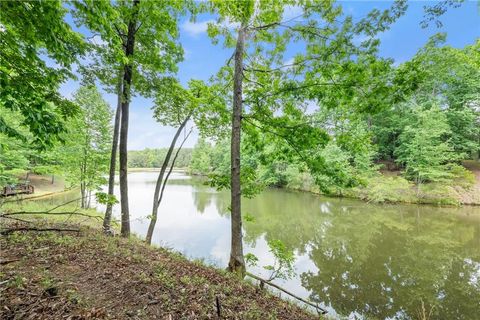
(4, 262)
(6, 215)
(322, 311)
(8, 231)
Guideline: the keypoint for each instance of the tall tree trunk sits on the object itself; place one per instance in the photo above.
(156, 203)
(237, 262)
(127, 82)
(113, 157)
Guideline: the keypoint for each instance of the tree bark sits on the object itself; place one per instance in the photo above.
(107, 220)
(237, 262)
(156, 195)
(82, 192)
(127, 82)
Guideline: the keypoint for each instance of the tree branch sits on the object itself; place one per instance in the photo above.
(8, 231)
(251, 275)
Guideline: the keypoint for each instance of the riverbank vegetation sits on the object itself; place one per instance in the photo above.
(422, 148)
(304, 102)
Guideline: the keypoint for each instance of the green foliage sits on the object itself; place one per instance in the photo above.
(201, 162)
(251, 259)
(105, 198)
(284, 259)
(283, 266)
(156, 24)
(86, 152)
(443, 74)
(33, 32)
(153, 158)
(425, 149)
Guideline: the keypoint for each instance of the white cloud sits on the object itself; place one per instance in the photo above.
(292, 12)
(289, 62)
(196, 28)
(96, 39)
(311, 107)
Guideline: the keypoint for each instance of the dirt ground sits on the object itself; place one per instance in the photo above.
(472, 197)
(86, 275)
(43, 185)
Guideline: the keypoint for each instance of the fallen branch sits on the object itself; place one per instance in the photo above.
(4, 262)
(8, 214)
(8, 231)
(322, 311)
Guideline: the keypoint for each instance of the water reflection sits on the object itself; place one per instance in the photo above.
(357, 259)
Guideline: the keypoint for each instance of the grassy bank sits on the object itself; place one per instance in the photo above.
(86, 275)
(392, 187)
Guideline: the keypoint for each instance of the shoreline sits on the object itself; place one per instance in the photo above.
(152, 282)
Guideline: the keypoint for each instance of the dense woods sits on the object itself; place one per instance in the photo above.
(304, 101)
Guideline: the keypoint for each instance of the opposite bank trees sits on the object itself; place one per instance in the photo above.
(140, 45)
(332, 69)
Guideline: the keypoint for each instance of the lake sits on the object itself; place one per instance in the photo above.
(358, 260)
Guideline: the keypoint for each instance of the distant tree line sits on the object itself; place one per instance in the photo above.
(153, 158)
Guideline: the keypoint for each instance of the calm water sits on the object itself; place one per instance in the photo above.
(359, 260)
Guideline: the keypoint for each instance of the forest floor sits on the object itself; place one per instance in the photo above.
(474, 196)
(87, 275)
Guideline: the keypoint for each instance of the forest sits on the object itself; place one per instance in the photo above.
(304, 101)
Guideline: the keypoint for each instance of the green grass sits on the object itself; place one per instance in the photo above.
(384, 188)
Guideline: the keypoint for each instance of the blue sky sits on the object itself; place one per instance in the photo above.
(202, 59)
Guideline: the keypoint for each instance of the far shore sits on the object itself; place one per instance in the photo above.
(154, 169)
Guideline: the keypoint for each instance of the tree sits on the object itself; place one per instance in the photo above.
(14, 154)
(270, 87)
(176, 106)
(31, 34)
(86, 151)
(141, 42)
(443, 74)
(425, 149)
(200, 163)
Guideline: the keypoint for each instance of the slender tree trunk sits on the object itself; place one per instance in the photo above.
(113, 158)
(127, 82)
(156, 203)
(237, 262)
(82, 192)
(172, 166)
(89, 199)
